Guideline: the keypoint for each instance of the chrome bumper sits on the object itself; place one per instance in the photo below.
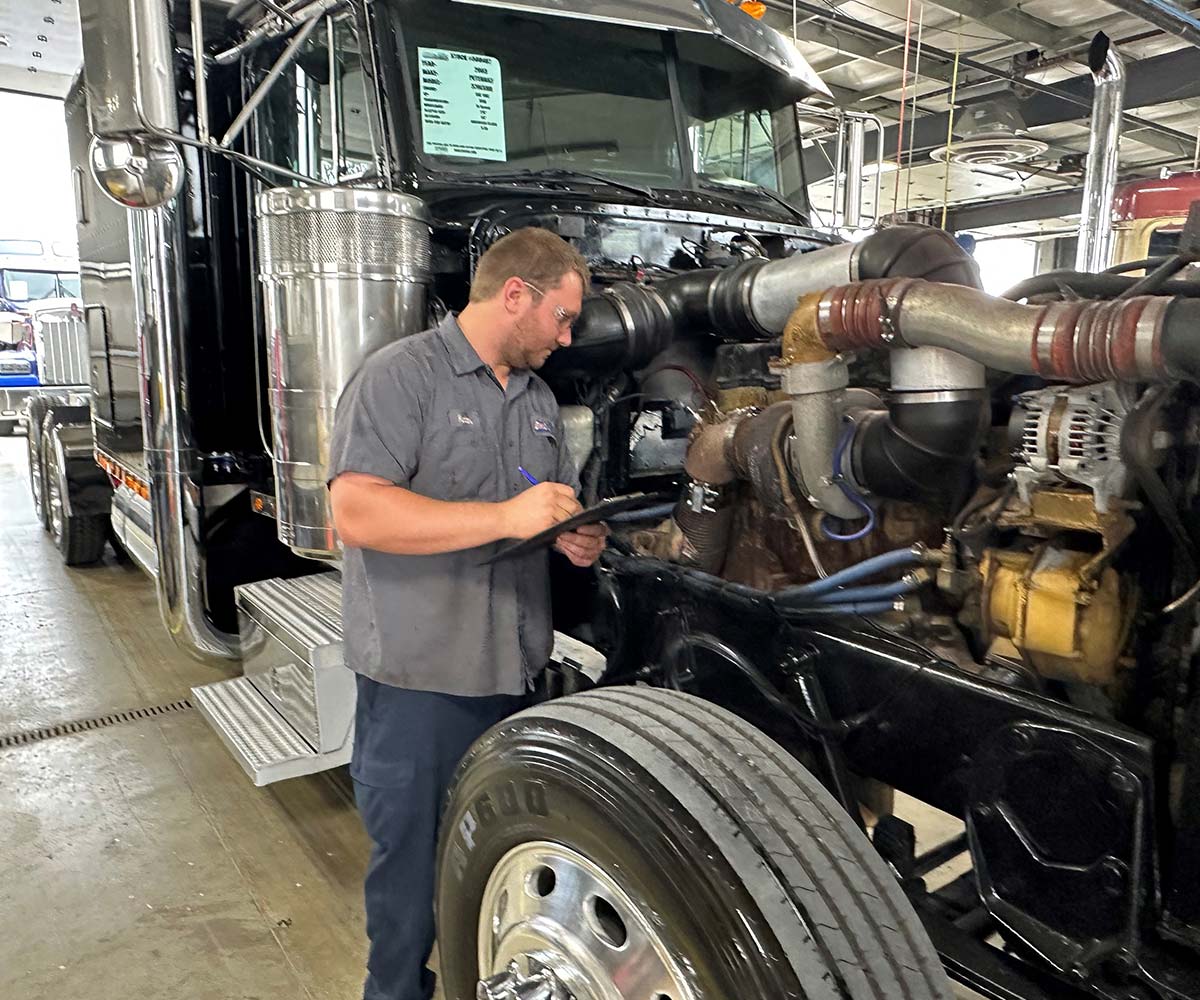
(12, 401)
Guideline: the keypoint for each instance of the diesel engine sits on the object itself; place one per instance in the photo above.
(861, 431)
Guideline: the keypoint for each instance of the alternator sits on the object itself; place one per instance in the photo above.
(1072, 434)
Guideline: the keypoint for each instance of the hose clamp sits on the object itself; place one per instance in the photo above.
(1147, 349)
(701, 498)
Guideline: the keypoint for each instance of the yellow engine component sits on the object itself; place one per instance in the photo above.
(1070, 622)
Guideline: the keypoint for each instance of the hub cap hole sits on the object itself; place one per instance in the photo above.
(607, 923)
(542, 881)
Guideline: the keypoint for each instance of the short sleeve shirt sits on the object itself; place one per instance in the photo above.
(427, 414)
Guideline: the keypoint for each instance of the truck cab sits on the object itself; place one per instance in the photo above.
(317, 179)
(35, 275)
(1148, 215)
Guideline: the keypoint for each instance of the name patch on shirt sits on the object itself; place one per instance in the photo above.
(543, 426)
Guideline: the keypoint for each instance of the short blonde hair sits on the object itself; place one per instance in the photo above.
(534, 255)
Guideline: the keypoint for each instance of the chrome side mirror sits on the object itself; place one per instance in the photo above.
(137, 171)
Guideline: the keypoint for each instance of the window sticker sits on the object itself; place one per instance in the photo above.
(462, 106)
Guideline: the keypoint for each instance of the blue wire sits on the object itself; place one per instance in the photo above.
(851, 494)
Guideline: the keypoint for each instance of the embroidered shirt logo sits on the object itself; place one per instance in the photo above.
(543, 426)
(465, 419)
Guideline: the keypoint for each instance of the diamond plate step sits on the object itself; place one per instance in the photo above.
(259, 738)
(305, 613)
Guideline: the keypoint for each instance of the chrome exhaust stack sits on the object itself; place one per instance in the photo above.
(130, 77)
(1108, 101)
(171, 457)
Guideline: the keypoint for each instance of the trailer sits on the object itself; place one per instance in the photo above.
(920, 538)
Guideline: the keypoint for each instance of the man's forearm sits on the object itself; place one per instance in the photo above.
(393, 519)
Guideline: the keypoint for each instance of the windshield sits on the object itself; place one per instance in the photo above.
(28, 286)
(497, 92)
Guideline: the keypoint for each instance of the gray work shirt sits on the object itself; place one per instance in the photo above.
(427, 414)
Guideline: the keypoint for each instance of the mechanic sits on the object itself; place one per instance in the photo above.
(437, 442)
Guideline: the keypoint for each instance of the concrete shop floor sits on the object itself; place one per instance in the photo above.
(137, 860)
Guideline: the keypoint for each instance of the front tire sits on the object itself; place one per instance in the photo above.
(648, 845)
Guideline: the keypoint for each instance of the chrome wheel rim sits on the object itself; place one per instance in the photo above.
(35, 475)
(54, 488)
(546, 906)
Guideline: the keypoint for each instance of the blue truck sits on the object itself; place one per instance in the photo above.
(18, 364)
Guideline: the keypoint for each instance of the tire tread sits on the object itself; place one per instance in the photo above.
(841, 892)
(84, 538)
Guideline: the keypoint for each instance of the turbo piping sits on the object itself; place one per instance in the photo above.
(1148, 338)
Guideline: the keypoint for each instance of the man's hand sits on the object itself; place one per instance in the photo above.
(583, 545)
(538, 508)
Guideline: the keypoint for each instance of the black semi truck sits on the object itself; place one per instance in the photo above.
(910, 536)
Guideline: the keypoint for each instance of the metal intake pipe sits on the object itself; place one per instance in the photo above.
(629, 324)
(171, 459)
(912, 450)
(1108, 100)
(817, 391)
(1149, 338)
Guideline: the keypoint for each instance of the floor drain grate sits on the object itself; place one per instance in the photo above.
(21, 739)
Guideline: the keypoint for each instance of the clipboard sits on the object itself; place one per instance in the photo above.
(589, 515)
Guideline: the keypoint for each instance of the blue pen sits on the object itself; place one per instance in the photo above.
(528, 478)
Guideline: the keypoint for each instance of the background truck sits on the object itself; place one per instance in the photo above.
(915, 537)
(37, 277)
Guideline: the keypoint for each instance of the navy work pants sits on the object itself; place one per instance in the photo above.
(406, 747)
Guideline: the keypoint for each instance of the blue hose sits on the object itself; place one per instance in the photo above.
(876, 592)
(857, 608)
(851, 494)
(852, 574)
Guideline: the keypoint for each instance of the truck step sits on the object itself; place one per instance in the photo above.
(260, 739)
(304, 613)
(291, 638)
(292, 710)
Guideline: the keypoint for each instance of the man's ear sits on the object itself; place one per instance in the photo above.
(511, 292)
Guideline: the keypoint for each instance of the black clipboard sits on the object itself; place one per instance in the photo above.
(589, 515)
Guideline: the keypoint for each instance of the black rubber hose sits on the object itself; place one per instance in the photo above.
(1093, 286)
(1135, 265)
(1180, 339)
(920, 450)
(913, 251)
(1154, 280)
(623, 329)
(686, 295)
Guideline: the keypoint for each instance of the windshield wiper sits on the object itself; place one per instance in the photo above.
(753, 188)
(565, 174)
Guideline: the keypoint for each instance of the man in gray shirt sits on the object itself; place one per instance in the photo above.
(432, 441)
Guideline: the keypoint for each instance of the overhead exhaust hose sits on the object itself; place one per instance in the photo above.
(628, 324)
